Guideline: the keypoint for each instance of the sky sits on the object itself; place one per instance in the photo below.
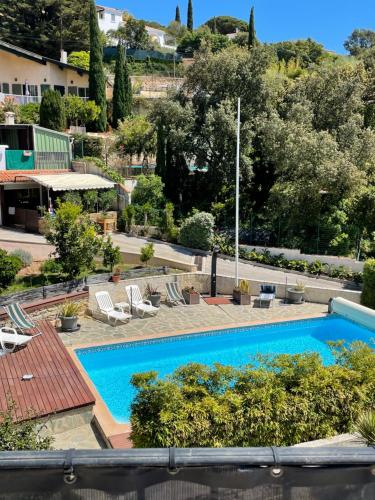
(326, 21)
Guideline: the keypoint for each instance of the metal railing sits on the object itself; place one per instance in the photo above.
(26, 99)
(51, 160)
(192, 473)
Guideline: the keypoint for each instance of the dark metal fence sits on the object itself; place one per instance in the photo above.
(44, 292)
(190, 474)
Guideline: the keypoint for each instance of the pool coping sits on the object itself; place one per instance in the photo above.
(105, 421)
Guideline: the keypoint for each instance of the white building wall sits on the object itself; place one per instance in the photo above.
(109, 21)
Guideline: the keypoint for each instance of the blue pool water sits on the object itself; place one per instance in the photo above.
(111, 367)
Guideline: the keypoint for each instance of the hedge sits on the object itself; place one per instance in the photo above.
(274, 402)
(368, 293)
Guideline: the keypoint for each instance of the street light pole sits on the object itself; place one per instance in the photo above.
(237, 189)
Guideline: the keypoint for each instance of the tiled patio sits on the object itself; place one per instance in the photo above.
(179, 319)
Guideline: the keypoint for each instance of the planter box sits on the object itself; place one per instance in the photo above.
(296, 296)
(191, 298)
(243, 299)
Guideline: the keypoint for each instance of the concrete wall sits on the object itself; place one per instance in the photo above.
(66, 420)
(134, 259)
(294, 254)
(201, 281)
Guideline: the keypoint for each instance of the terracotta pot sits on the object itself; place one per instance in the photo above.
(116, 278)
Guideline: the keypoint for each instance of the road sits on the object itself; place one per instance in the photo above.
(36, 244)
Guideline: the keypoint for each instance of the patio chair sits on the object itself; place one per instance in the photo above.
(21, 319)
(174, 296)
(267, 294)
(140, 305)
(10, 337)
(106, 307)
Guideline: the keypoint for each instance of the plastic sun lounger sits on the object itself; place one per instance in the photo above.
(140, 305)
(267, 294)
(107, 308)
(9, 336)
(20, 319)
(174, 296)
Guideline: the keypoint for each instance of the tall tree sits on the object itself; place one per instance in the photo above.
(52, 111)
(119, 97)
(178, 16)
(190, 22)
(252, 39)
(128, 90)
(214, 26)
(96, 73)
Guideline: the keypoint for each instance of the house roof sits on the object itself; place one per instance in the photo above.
(32, 56)
(155, 31)
(111, 10)
(7, 176)
(71, 181)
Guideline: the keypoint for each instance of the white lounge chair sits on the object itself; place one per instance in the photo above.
(10, 337)
(140, 305)
(106, 307)
(267, 294)
(174, 296)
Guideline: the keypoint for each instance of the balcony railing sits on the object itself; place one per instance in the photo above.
(26, 99)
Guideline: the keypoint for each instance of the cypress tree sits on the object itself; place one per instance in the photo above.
(96, 73)
(160, 152)
(52, 111)
(119, 97)
(190, 22)
(251, 39)
(178, 16)
(214, 27)
(128, 90)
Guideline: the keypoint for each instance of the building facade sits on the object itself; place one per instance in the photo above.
(25, 76)
(108, 18)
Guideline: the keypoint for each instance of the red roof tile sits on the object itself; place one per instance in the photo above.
(19, 175)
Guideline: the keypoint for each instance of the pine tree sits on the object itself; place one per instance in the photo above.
(119, 97)
(97, 81)
(128, 90)
(190, 22)
(178, 16)
(252, 38)
(52, 111)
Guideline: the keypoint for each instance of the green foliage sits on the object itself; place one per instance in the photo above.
(365, 427)
(360, 41)
(74, 237)
(127, 217)
(80, 59)
(97, 80)
(111, 254)
(197, 231)
(368, 292)
(29, 113)
(226, 25)
(136, 136)
(51, 266)
(202, 37)
(73, 197)
(35, 25)
(9, 267)
(86, 145)
(52, 111)
(133, 34)
(149, 189)
(147, 252)
(79, 111)
(122, 93)
(112, 174)
(69, 309)
(21, 436)
(190, 21)
(9, 104)
(107, 199)
(167, 224)
(25, 257)
(278, 401)
(90, 200)
(306, 51)
(178, 15)
(252, 38)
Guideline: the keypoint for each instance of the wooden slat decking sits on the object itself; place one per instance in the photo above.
(57, 384)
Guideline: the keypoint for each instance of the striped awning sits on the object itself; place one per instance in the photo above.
(72, 181)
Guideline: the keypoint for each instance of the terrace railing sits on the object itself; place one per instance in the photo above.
(51, 160)
(194, 474)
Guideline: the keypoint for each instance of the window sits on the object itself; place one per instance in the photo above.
(33, 90)
(44, 87)
(4, 88)
(113, 18)
(83, 92)
(16, 89)
(72, 90)
(101, 14)
(60, 88)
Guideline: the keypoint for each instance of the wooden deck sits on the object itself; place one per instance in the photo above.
(56, 385)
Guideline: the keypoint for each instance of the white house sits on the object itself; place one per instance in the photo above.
(109, 18)
(161, 37)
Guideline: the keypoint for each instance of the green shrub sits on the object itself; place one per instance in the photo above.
(73, 197)
(25, 257)
(111, 254)
(51, 266)
(147, 252)
(52, 111)
(275, 402)
(197, 231)
(368, 293)
(107, 199)
(29, 113)
(126, 219)
(9, 267)
(86, 145)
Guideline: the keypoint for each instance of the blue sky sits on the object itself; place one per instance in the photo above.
(327, 21)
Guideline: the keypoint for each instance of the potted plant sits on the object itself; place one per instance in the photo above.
(241, 293)
(68, 315)
(111, 258)
(296, 295)
(191, 295)
(153, 295)
(116, 276)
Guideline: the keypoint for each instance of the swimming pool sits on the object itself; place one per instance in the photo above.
(111, 367)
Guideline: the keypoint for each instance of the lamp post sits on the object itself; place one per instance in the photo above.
(215, 252)
(237, 189)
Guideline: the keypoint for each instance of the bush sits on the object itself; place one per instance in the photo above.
(51, 266)
(52, 111)
(147, 252)
(85, 145)
(111, 254)
(9, 267)
(368, 293)
(29, 113)
(25, 257)
(73, 197)
(278, 402)
(197, 231)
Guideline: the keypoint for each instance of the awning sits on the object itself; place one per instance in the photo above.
(72, 181)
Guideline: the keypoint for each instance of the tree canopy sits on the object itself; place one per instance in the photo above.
(226, 24)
